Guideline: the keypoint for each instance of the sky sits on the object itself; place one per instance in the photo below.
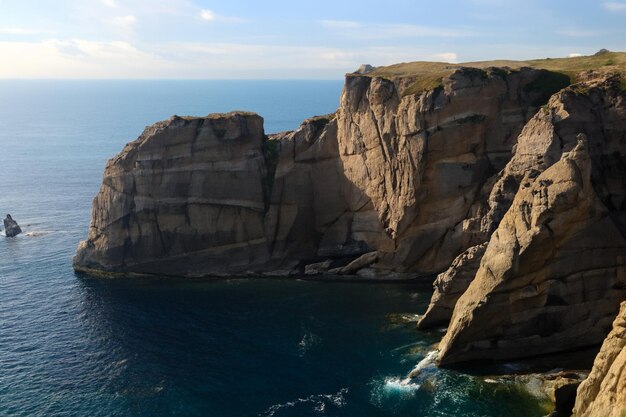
(276, 39)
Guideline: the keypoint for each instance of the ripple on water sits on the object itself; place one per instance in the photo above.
(317, 403)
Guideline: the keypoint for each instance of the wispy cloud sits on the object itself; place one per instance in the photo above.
(615, 6)
(210, 15)
(122, 25)
(24, 31)
(447, 57)
(390, 31)
(207, 15)
(574, 55)
(126, 20)
(110, 3)
(577, 33)
(339, 24)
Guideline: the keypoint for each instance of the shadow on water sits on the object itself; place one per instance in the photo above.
(272, 348)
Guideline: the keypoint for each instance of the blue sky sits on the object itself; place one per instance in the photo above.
(288, 39)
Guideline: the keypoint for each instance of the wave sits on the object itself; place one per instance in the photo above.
(428, 361)
(37, 233)
(308, 340)
(316, 402)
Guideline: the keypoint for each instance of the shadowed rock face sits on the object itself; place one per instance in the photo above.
(554, 270)
(186, 198)
(315, 212)
(603, 393)
(214, 196)
(450, 285)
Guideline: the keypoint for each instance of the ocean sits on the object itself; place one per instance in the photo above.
(72, 345)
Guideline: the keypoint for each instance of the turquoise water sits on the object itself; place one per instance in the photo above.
(77, 346)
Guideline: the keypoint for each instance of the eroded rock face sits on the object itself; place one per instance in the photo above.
(214, 196)
(450, 285)
(554, 270)
(603, 393)
(314, 211)
(427, 161)
(186, 198)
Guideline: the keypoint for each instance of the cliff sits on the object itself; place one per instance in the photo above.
(508, 179)
(554, 271)
(603, 393)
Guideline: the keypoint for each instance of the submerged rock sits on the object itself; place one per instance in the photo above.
(11, 228)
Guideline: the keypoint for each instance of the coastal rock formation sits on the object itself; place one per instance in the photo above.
(427, 160)
(603, 393)
(186, 198)
(315, 212)
(554, 270)
(508, 182)
(214, 196)
(450, 285)
(11, 228)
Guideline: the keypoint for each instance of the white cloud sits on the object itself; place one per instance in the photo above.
(392, 31)
(110, 3)
(122, 26)
(127, 20)
(339, 24)
(447, 57)
(80, 58)
(207, 15)
(615, 6)
(24, 31)
(575, 33)
(574, 55)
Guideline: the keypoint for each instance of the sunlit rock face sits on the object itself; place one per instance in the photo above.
(554, 271)
(603, 393)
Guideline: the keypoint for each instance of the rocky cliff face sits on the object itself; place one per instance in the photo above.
(315, 212)
(427, 160)
(554, 270)
(603, 393)
(186, 198)
(518, 204)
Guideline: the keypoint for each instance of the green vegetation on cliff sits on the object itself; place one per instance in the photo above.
(429, 75)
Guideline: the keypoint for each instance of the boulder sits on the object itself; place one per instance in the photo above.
(11, 228)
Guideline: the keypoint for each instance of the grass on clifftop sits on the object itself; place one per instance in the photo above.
(430, 74)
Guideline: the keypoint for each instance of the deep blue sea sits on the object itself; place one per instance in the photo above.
(78, 346)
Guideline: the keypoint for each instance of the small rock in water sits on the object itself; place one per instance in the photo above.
(11, 228)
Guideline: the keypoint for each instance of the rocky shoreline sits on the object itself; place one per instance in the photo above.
(508, 182)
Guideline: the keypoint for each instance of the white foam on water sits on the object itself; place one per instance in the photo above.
(428, 361)
(308, 340)
(37, 233)
(318, 403)
(397, 385)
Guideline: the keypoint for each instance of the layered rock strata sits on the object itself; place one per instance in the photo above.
(404, 176)
(554, 270)
(186, 198)
(603, 393)
(427, 161)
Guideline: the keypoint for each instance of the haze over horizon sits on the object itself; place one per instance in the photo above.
(200, 39)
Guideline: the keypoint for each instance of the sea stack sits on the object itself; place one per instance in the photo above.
(11, 228)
